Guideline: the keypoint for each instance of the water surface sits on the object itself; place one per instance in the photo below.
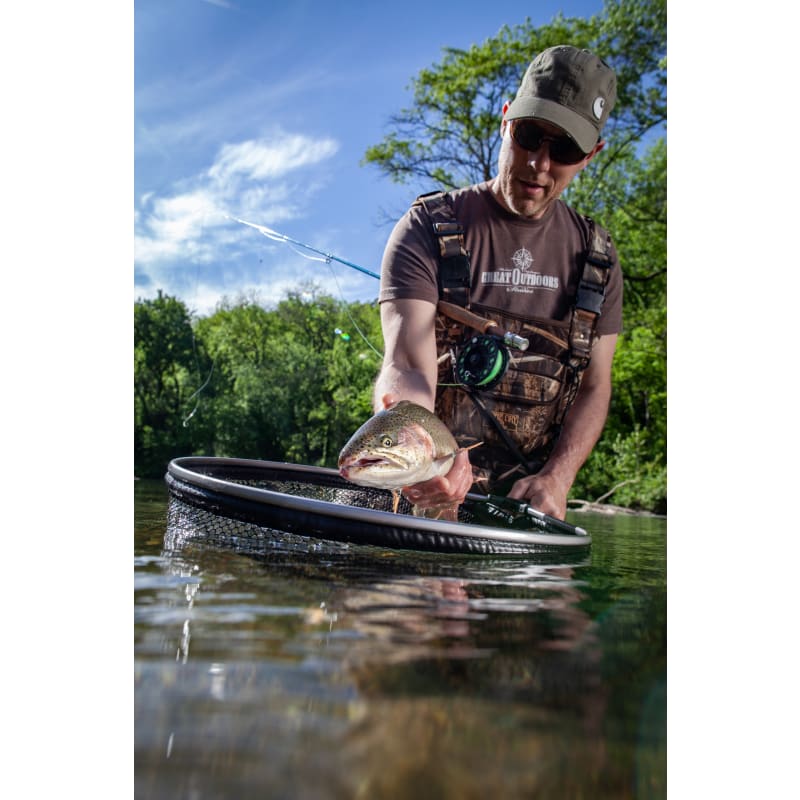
(321, 671)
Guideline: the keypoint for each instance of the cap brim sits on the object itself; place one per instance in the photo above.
(584, 133)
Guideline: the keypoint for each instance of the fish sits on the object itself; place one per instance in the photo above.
(399, 446)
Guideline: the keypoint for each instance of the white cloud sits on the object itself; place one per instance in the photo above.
(259, 160)
(262, 180)
(182, 217)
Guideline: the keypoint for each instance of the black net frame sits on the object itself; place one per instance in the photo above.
(317, 502)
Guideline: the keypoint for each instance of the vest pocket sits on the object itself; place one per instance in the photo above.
(531, 379)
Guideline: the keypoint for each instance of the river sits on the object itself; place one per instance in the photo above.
(360, 672)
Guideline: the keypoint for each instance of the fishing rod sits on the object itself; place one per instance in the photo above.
(282, 237)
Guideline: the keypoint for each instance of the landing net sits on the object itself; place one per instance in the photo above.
(225, 499)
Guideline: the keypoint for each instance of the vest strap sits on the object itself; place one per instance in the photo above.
(590, 296)
(454, 265)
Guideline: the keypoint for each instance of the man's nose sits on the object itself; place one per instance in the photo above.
(540, 158)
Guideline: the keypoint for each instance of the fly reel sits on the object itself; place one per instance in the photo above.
(482, 362)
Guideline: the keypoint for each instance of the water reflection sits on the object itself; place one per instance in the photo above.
(310, 672)
(455, 662)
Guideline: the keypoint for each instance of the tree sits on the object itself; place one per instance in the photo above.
(286, 386)
(165, 369)
(331, 377)
(246, 402)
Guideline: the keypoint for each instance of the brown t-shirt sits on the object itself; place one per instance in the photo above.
(529, 268)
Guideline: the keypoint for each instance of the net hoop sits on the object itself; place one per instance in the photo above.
(256, 492)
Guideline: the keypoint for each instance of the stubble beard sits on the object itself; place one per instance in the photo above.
(512, 197)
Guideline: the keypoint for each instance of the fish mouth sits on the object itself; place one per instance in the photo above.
(370, 461)
(349, 466)
(371, 468)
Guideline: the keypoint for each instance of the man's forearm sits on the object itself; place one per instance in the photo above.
(409, 364)
(408, 384)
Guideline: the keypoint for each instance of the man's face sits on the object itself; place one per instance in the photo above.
(528, 182)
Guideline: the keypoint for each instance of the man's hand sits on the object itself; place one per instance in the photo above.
(544, 493)
(443, 491)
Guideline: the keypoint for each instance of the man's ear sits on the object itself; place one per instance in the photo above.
(595, 150)
(503, 121)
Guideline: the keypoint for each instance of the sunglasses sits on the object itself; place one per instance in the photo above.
(529, 136)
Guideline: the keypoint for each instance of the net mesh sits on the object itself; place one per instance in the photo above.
(188, 524)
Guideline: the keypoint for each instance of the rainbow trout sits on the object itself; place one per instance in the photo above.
(401, 445)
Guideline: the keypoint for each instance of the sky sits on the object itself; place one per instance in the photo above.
(262, 112)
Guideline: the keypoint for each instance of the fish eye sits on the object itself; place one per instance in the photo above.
(387, 441)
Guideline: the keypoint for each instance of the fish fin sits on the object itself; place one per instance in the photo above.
(449, 513)
(395, 500)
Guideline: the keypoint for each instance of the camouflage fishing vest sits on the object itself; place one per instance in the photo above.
(520, 418)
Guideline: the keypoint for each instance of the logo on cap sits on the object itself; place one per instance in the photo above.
(599, 105)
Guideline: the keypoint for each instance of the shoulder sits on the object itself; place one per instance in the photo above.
(568, 216)
(466, 200)
(593, 234)
(469, 206)
(476, 202)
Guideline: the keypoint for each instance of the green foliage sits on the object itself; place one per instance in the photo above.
(278, 384)
(164, 366)
(623, 472)
(631, 453)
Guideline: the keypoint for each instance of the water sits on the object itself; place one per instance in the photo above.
(366, 673)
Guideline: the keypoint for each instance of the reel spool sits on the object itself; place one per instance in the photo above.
(482, 362)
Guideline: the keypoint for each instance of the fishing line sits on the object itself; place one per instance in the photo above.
(194, 350)
(325, 258)
(197, 404)
(350, 316)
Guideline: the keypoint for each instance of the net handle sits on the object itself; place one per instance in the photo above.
(543, 521)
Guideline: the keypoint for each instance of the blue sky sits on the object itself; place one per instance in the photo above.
(263, 111)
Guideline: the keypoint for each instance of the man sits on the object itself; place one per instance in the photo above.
(525, 251)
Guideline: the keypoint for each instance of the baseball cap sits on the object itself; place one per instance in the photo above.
(568, 87)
